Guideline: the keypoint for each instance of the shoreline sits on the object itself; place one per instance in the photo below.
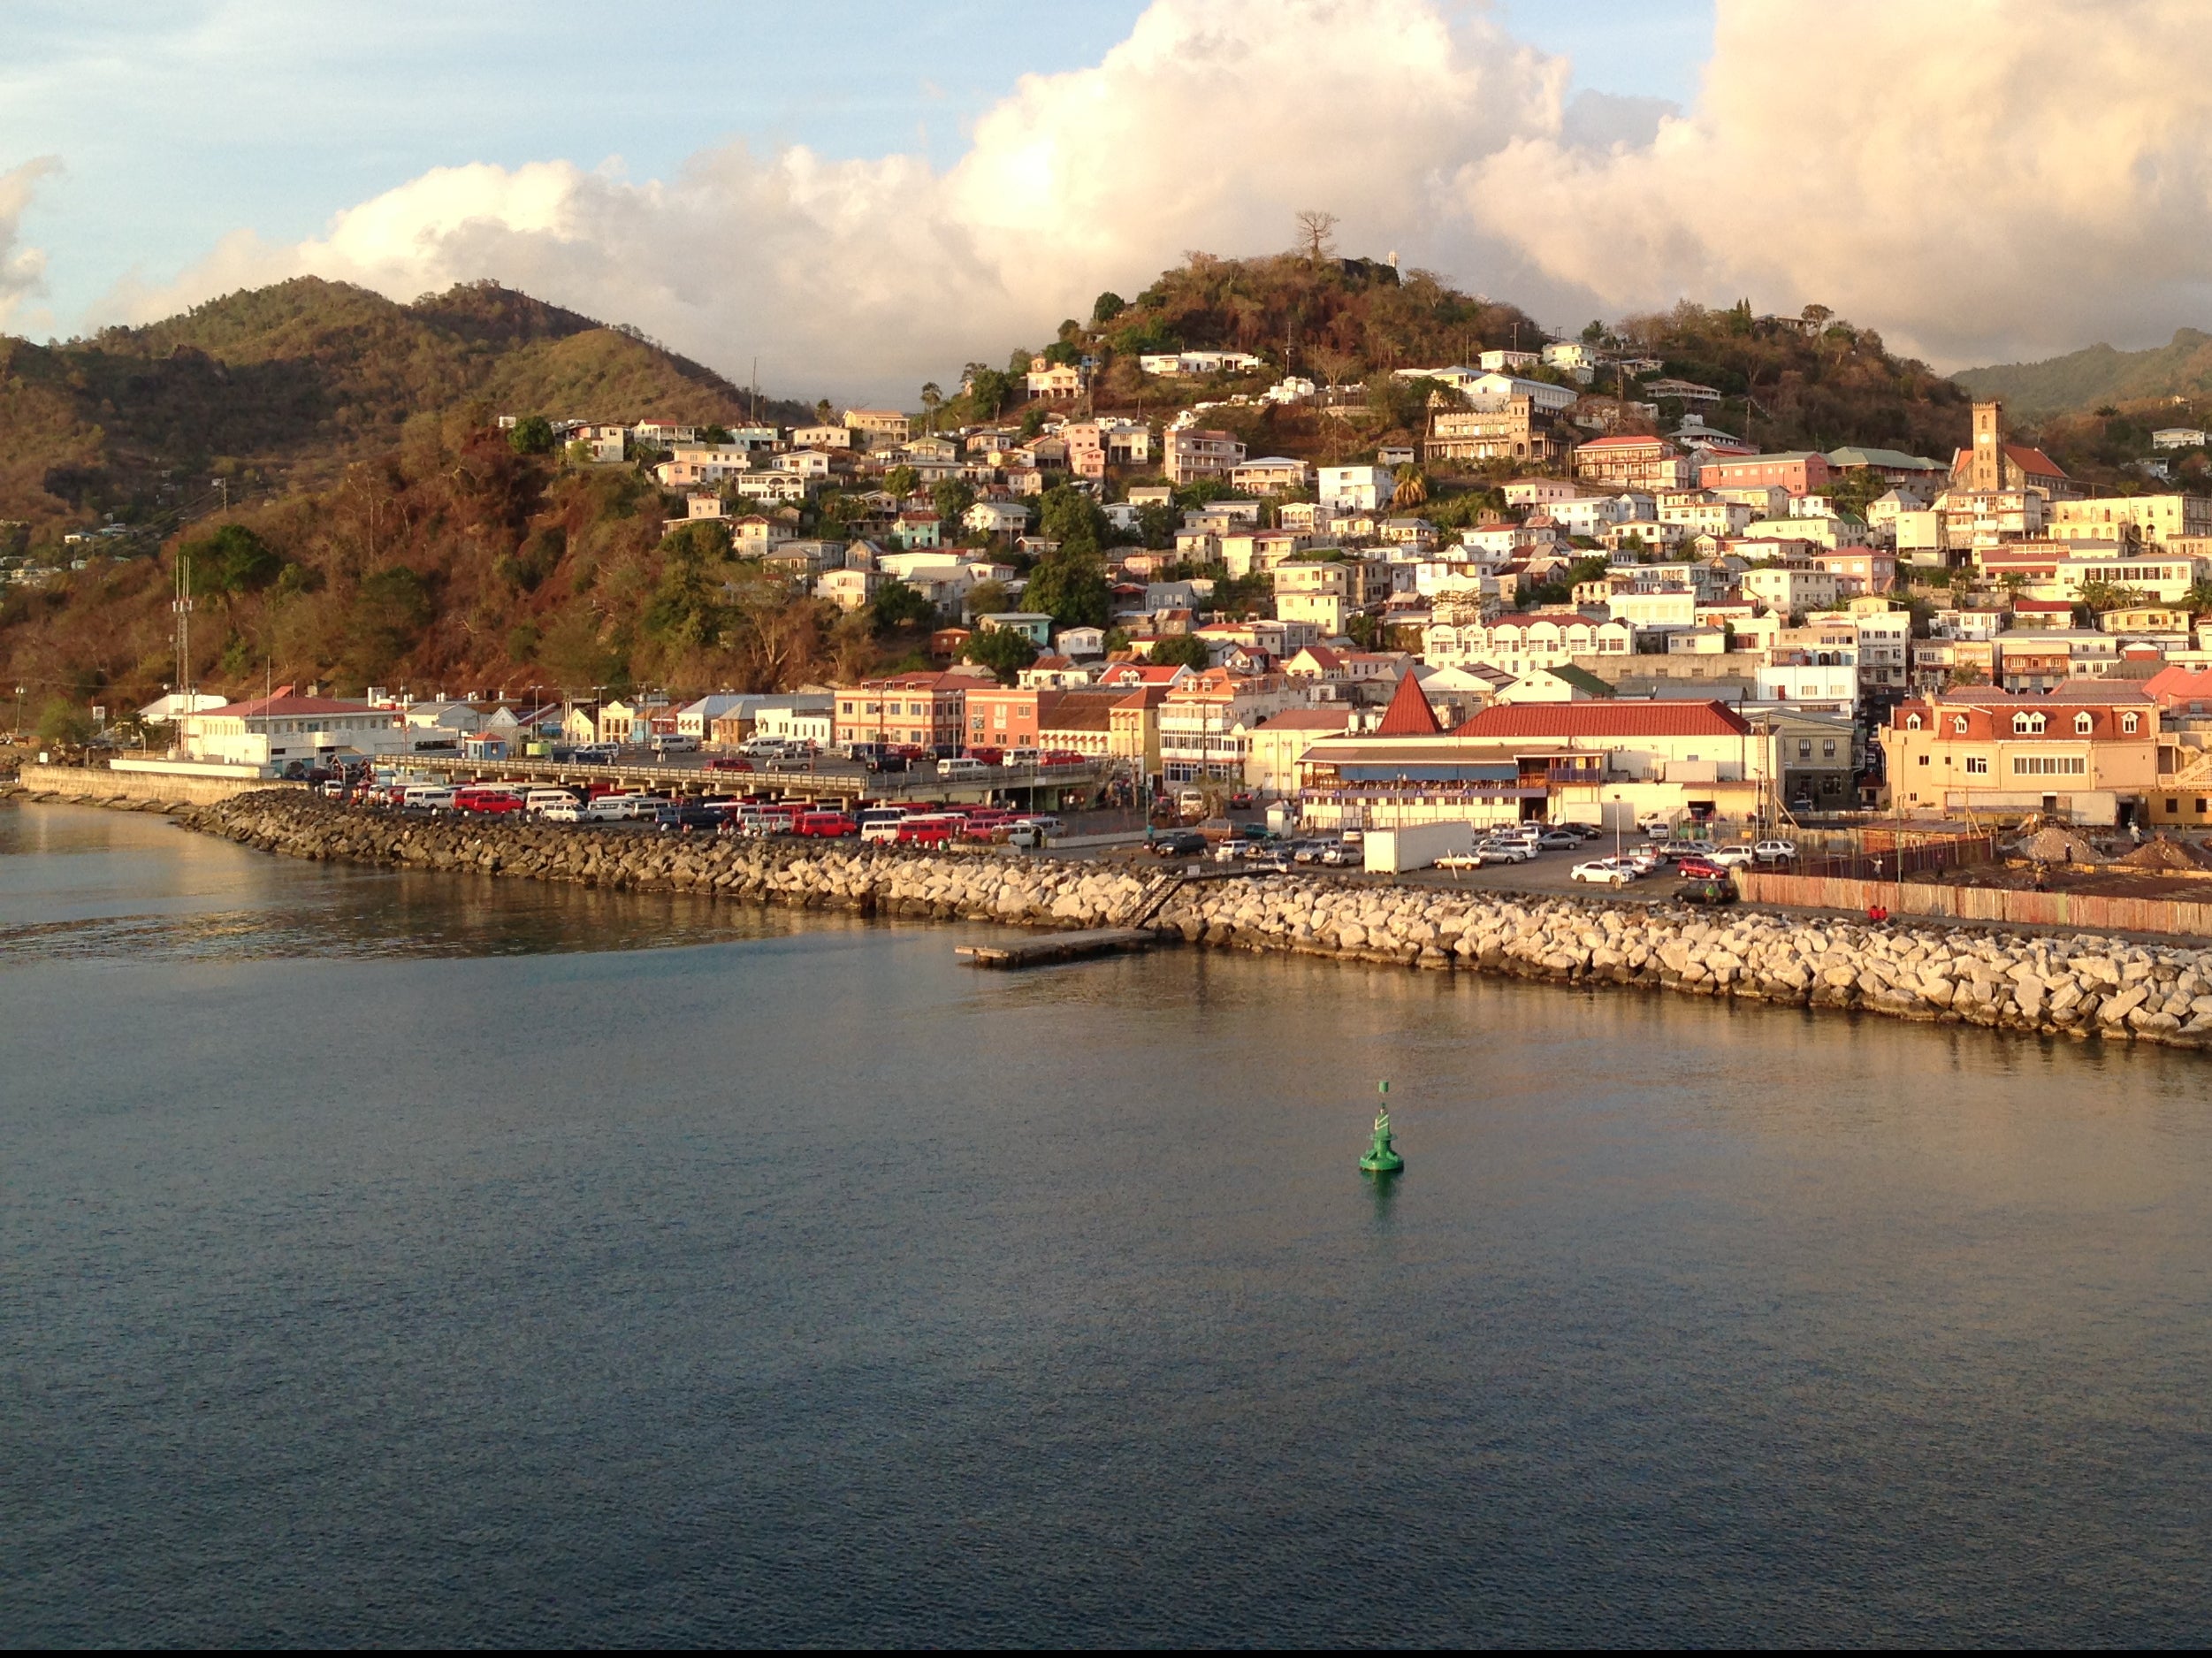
(2081, 986)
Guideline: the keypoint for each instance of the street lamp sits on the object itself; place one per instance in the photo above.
(19, 711)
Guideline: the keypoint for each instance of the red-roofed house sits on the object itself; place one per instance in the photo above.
(1609, 761)
(280, 729)
(2091, 756)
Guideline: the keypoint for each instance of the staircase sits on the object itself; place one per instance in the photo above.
(1151, 899)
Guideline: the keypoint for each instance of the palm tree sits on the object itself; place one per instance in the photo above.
(1413, 487)
(931, 396)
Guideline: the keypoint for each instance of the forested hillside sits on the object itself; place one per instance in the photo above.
(295, 381)
(2082, 381)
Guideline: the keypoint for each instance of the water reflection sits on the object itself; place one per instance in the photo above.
(85, 882)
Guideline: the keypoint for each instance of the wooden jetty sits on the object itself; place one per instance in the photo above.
(1030, 952)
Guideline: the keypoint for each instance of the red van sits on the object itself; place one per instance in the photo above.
(934, 828)
(825, 825)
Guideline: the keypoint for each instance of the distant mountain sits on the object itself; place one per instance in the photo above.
(2097, 376)
(293, 381)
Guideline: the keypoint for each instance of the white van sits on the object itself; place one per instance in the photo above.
(536, 803)
(428, 797)
(962, 766)
(621, 809)
(671, 742)
(883, 830)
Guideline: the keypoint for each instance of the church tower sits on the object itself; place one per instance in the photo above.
(1987, 468)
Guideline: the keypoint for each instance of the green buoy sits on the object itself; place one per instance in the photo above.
(1382, 1156)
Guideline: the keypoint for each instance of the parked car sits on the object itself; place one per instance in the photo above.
(825, 825)
(677, 818)
(1558, 841)
(1241, 801)
(1506, 852)
(1603, 872)
(1708, 891)
(1732, 857)
(1460, 860)
(1775, 851)
(1182, 844)
(1700, 869)
(572, 813)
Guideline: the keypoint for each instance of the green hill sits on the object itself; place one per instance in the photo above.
(2098, 376)
(287, 384)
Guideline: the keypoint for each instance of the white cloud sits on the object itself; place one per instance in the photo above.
(1976, 180)
(22, 269)
(1209, 128)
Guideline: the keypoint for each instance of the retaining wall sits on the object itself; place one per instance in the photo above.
(96, 785)
(2081, 985)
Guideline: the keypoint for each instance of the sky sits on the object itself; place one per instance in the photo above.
(865, 195)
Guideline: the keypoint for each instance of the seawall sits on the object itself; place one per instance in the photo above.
(147, 790)
(2082, 985)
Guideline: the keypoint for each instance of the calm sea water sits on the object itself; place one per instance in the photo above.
(423, 1260)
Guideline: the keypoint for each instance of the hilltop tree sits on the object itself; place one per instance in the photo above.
(1316, 235)
(932, 394)
(1108, 306)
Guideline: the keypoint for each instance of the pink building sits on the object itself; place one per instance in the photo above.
(1193, 454)
(1860, 569)
(1800, 471)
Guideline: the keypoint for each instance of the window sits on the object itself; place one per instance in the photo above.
(1912, 722)
(2084, 724)
(1827, 748)
(2027, 724)
(2049, 766)
(1958, 724)
(2128, 722)
(1976, 765)
(1923, 760)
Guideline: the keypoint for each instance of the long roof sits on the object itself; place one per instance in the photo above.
(283, 706)
(1565, 720)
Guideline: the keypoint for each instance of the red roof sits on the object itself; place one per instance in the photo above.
(1410, 713)
(280, 707)
(1607, 718)
(2176, 684)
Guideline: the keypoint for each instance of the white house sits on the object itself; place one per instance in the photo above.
(1360, 488)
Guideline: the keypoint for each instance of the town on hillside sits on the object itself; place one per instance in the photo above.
(1567, 594)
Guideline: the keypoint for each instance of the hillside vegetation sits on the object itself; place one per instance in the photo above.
(2099, 376)
(295, 381)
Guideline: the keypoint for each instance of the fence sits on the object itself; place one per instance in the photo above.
(2089, 911)
(1877, 862)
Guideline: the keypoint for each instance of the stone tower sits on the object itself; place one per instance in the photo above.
(1986, 465)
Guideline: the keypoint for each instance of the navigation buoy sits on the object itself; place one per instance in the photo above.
(1382, 1156)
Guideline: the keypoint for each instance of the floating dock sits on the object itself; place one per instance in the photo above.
(1033, 952)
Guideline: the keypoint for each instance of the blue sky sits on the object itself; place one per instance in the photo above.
(179, 123)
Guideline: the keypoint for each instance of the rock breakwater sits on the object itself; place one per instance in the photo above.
(2076, 985)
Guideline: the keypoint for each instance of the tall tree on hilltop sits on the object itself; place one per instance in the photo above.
(1317, 235)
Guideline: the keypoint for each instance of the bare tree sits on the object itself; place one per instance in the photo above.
(1316, 235)
(1337, 366)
